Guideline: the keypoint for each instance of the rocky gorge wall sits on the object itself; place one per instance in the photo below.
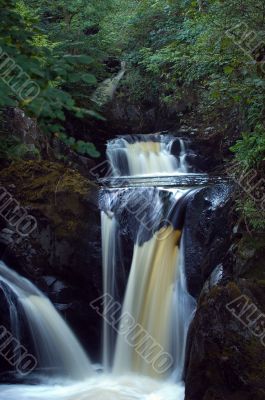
(225, 353)
(63, 258)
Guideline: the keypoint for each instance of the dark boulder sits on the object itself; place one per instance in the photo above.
(208, 230)
(226, 359)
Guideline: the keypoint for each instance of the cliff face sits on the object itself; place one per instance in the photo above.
(226, 347)
(62, 256)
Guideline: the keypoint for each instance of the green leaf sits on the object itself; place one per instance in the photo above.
(79, 59)
(228, 70)
(94, 114)
(89, 79)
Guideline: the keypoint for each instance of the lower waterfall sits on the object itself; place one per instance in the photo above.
(149, 299)
(145, 305)
(153, 320)
(147, 362)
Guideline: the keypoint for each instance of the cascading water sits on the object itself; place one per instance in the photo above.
(106, 90)
(144, 346)
(146, 155)
(56, 347)
(149, 299)
(156, 296)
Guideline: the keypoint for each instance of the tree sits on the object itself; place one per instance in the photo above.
(35, 73)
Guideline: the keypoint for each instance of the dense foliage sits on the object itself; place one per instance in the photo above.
(214, 51)
(38, 71)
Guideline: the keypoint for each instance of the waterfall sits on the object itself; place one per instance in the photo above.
(149, 299)
(111, 256)
(140, 155)
(185, 306)
(156, 296)
(157, 308)
(55, 346)
(106, 90)
(146, 305)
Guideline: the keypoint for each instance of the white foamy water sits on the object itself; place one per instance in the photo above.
(105, 387)
(146, 157)
(56, 347)
(156, 296)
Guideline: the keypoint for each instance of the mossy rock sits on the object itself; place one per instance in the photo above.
(64, 204)
(57, 192)
(225, 360)
(250, 263)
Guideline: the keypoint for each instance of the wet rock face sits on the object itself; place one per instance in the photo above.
(63, 255)
(226, 359)
(205, 154)
(208, 228)
(134, 117)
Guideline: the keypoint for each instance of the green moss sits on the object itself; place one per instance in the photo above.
(257, 272)
(233, 289)
(49, 188)
(43, 179)
(251, 256)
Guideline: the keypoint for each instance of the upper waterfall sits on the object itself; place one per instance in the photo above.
(147, 155)
(106, 90)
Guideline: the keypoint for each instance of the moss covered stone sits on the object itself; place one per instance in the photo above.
(52, 189)
(226, 361)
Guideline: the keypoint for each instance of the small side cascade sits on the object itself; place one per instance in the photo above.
(106, 90)
(56, 348)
